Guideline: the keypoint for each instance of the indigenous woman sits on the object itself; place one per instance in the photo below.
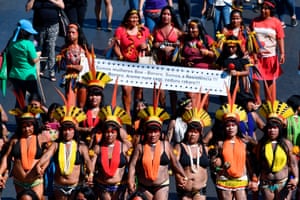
(111, 154)
(278, 169)
(95, 82)
(293, 129)
(177, 126)
(25, 148)
(230, 162)
(236, 28)
(152, 156)
(166, 43)
(197, 50)
(271, 36)
(69, 154)
(131, 42)
(232, 61)
(72, 59)
(192, 154)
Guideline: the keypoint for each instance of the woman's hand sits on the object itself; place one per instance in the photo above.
(131, 187)
(282, 59)
(292, 184)
(253, 186)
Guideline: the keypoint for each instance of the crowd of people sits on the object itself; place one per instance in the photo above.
(86, 149)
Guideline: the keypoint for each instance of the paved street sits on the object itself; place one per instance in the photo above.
(11, 11)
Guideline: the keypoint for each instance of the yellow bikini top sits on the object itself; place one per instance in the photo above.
(279, 157)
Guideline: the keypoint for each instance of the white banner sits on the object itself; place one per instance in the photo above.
(172, 77)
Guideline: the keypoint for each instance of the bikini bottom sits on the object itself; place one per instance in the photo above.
(28, 185)
(110, 188)
(273, 185)
(154, 188)
(65, 189)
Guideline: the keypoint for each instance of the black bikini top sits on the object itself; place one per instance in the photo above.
(16, 151)
(164, 159)
(185, 159)
(123, 160)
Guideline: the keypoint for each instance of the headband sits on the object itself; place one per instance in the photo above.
(270, 4)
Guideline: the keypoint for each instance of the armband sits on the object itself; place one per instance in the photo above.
(91, 153)
(129, 151)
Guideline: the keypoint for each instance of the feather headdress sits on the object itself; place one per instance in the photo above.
(274, 109)
(113, 113)
(69, 112)
(93, 77)
(154, 113)
(197, 113)
(231, 110)
(24, 112)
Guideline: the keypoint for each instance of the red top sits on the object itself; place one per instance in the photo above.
(129, 43)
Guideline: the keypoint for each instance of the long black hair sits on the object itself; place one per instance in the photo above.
(86, 191)
(193, 126)
(226, 53)
(82, 41)
(128, 14)
(174, 20)
(202, 32)
(280, 139)
(68, 124)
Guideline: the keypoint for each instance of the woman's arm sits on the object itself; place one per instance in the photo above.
(176, 166)
(293, 167)
(29, 5)
(58, 3)
(4, 117)
(281, 50)
(170, 131)
(89, 165)
(117, 50)
(44, 161)
(132, 165)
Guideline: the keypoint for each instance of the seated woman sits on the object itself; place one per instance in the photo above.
(151, 158)
(192, 154)
(69, 154)
(111, 153)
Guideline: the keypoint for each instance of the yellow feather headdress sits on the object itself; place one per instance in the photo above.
(197, 113)
(69, 112)
(24, 112)
(231, 110)
(154, 113)
(274, 109)
(113, 113)
(93, 77)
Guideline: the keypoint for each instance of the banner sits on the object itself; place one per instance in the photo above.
(172, 77)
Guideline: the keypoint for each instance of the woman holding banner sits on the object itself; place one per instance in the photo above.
(196, 50)
(130, 43)
(166, 44)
